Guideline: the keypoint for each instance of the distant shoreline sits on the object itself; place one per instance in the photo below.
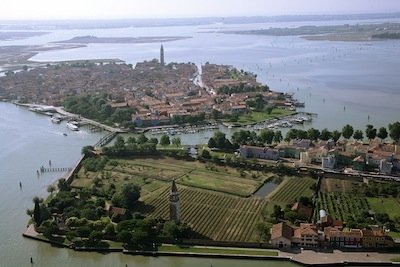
(121, 40)
(348, 33)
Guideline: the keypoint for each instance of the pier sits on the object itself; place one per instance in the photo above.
(55, 169)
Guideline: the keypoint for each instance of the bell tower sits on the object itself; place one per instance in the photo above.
(162, 55)
(174, 207)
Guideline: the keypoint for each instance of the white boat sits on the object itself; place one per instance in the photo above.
(55, 120)
(72, 126)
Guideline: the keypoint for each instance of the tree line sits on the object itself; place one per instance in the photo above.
(268, 136)
(97, 107)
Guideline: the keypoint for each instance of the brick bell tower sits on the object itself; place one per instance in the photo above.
(174, 207)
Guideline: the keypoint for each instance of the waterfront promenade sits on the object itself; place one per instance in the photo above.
(303, 257)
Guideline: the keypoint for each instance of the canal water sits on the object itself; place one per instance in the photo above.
(27, 142)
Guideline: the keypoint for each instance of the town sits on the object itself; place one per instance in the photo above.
(154, 92)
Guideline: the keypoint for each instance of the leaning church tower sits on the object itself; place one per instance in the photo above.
(174, 207)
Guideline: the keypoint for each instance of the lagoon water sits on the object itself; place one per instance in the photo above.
(343, 82)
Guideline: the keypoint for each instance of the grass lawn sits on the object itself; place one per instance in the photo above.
(397, 259)
(220, 182)
(394, 235)
(215, 250)
(257, 116)
(391, 206)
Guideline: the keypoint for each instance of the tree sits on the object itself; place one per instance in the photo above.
(176, 141)
(87, 151)
(325, 134)
(269, 109)
(336, 135)
(164, 140)
(124, 236)
(119, 143)
(212, 143)
(290, 135)
(130, 194)
(278, 212)
(266, 136)
(153, 140)
(382, 133)
(51, 188)
(142, 139)
(278, 137)
(394, 132)
(301, 134)
(205, 154)
(131, 140)
(263, 231)
(358, 135)
(347, 131)
(313, 134)
(37, 215)
(370, 132)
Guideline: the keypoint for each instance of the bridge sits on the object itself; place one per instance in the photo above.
(105, 139)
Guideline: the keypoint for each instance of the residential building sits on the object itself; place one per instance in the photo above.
(374, 237)
(305, 236)
(343, 239)
(328, 162)
(259, 152)
(281, 235)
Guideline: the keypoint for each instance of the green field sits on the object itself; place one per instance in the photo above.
(256, 116)
(216, 250)
(153, 173)
(391, 206)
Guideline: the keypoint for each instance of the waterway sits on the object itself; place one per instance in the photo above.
(27, 142)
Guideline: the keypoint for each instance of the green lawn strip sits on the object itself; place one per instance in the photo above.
(397, 259)
(394, 235)
(215, 250)
(257, 116)
(385, 205)
(232, 185)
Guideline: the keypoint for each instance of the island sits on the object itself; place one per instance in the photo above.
(89, 39)
(347, 32)
(150, 94)
(145, 196)
(257, 194)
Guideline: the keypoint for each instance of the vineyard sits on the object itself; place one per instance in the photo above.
(330, 185)
(340, 205)
(211, 215)
(291, 189)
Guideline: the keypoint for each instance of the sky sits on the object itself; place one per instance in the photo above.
(126, 9)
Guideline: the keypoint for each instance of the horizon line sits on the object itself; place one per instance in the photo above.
(396, 13)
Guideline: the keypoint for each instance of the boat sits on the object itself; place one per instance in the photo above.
(72, 126)
(64, 134)
(55, 119)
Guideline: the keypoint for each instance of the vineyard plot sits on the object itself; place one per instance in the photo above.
(211, 215)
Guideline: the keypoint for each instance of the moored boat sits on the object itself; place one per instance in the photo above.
(72, 126)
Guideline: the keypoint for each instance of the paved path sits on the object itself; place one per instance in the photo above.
(312, 257)
(30, 231)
